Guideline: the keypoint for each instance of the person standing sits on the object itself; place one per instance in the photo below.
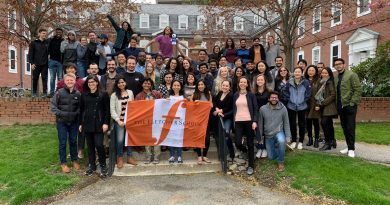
(105, 51)
(141, 60)
(313, 115)
(348, 89)
(133, 78)
(123, 34)
(272, 51)
(243, 52)
(122, 65)
(257, 52)
(108, 80)
(277, 65)
(55, 59)
(38, 58)
(275, 127)
(69, 48)
(65, 104)
(132, 50)
(90, 54)
(81, 58)
(229, 52)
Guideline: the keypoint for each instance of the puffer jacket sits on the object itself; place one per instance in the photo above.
(69, 51)
(66, 105)
(297, 94)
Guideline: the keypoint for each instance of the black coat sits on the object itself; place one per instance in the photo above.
(94, 111)
(90, 54)
(133, 81)
(252, 53)
(226, 105)
(66, 105)
(252, 105)
(38, 53)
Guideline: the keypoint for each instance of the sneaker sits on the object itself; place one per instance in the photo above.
(156, 161)
(179, 160)
(351, 153)
(344, 151)
(258, 154)
(104, 171)
(280, 167)
(299, 145)
(171, 160)
(264, 154)
(65, 169)
(293, 145)
(249, 171)
(148, 159)
(90, 172)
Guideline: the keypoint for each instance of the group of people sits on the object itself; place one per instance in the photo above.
(256, 101)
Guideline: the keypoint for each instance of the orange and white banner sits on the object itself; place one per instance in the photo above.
(175, 123)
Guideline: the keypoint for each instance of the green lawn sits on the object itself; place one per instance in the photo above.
(373, 133)
(29, 165)
(353, 180)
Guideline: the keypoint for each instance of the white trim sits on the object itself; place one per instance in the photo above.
(313, 60)
(300, 53)
(163, 20)
(182, 19)
(358, 13)
(238, 21)
(333, 44)
(333, 10)
(26, 63)
(200, 22)
(144, 18)
(220, 23)
(9, 21)
(301, 24)
(184, 48)
(316, 9)
(12, 48)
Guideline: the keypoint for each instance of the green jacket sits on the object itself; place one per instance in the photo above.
(351, 89)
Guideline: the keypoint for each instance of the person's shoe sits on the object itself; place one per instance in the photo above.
(334, 144)
(316, 143)
(200, 161)
(205, 159)
(104, 171)
(65, 169)
(131, 161)
(249, 171)
(179, 160)
(171, 160)
(344, 151)
(325, 147)
(76, 165)
(299, 145)
(50, 95)
(293, 145)
(80, 154)
(119, 162)
(280, 167)
(156, 160)
(90, 172)
(264, 154)
(258, 154)
(310, 143)
(148, 159)
(351, 153)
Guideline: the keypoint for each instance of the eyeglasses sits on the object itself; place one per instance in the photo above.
(273, 98)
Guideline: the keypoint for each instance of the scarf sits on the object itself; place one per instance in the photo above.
(319, 97)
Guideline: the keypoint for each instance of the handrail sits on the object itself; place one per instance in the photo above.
(112, 151)
(221, 144)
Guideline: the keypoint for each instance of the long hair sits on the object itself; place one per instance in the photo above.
(129, 28)
(279, 77)
(267, 73)
(190, 69)
(198, 93)
(117, 91)
(248, 88)
(218, 80)
(178, 68)
(85, 85)
(330, 73)
(147, 79)
(181, 92)
(151, 75)
(226, 43)
(256, 87)
(190, 74)
(242, 70)
(170, 28)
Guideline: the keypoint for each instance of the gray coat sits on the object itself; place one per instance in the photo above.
(274, 120)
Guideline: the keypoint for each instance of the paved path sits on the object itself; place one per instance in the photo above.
(198, 189)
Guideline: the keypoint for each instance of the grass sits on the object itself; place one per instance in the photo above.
(342, 178)
(29, 165)
(373, 133)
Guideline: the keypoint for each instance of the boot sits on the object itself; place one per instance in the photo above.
(119, 162)
(131, 161)
(334, 143)
(310, 143)
(316, 143)
(326, 146)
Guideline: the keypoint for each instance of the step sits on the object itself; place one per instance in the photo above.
(190, 154)
(189, 166)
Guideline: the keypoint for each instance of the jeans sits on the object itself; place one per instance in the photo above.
(39, 70)
(55, 69)
(95, 141)
(292, 117)
(120, 141)
(81, 69)
(244, 128)
(227, 123)
(348, 123)
(327, 127)
(276, 147)
(65, 131)
(175, 150)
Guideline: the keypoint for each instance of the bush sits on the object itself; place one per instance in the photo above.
(375, 73)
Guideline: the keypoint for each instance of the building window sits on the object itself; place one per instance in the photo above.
(257, 21)
(220, 23)
(301, 27)
(26, 29)
(164, 20)
(12, 66)
(316, 55)
(144, 20)
(300, 55)
(12, 21)
(185, 50)
(238, 23)
(317, 20)
(335, 51)
(201, 22)
(183, 22)
(143, 43)
(363, 7)
(336, 14)
(27, 65)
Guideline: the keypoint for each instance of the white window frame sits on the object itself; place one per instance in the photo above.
(144, 18)
(336, 6)
(163, 20)
(200, 22)
(315, 10)
(26, 63)
(365, 12)
(277, 34)
(9, 21)
(300, 53)
(184, 48)
(257, 21)
(313, 60)
(12, 48)
(238, 21)
(301, 24)
(182, 19)
(266, 36)
(143, 43)
(333, 44)
(220, 23)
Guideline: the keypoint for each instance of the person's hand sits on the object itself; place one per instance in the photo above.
(254, 125)
(316, 108)
(221, 115)
(33, 66)
(215, 113)
(105, 127)
(120, 123)
(80, 128)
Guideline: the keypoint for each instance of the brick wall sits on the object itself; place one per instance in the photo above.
(37, 111)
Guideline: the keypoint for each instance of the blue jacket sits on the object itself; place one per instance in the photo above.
(103, 59)
(297, 95)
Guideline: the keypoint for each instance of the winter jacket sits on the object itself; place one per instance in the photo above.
(81, 54)
(38, 52)
(273, 120)
(94, 111)
(312, 113)
(69, 51)
(103, 59)
(133, 81)
(66, 105)
(252, 53)
(90, 54)
(226, 105)
(120, 34)
(351, 89)
(116, 105)
(297, 95)
(55, 49)
(328, 105)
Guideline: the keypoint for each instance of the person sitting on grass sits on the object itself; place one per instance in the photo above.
(65, 104)
(275, 127)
